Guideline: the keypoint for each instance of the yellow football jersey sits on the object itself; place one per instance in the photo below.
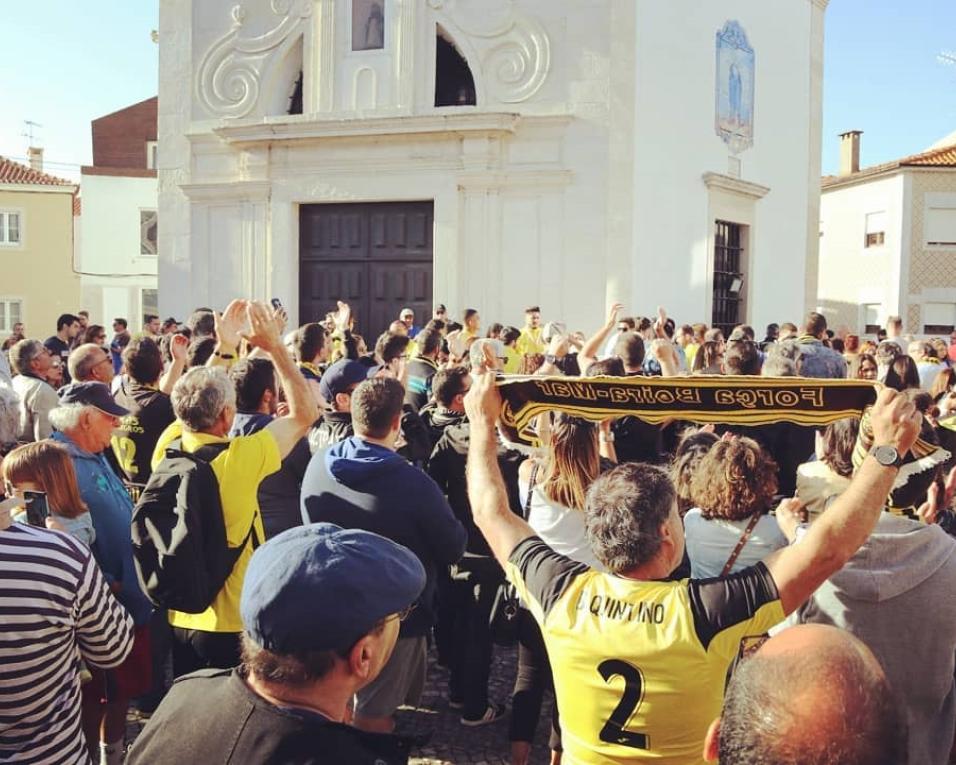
(639, 666)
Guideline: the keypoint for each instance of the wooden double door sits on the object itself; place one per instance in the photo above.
(375, 256)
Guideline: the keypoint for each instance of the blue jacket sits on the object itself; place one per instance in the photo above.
(359, 485)
(112, 511)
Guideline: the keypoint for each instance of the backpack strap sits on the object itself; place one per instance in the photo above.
(207, 453)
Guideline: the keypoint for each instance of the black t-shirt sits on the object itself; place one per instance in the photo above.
(60, 350)
(213, 716)
(150, 412)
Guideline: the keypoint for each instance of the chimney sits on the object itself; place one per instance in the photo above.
(850, 152)
(36, 158)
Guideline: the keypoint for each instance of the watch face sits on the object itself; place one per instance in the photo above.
(886, 455)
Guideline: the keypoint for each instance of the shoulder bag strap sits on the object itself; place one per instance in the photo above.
(740, 544)
(531, 483)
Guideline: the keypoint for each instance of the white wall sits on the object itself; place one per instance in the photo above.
(852, 275)
(113, 272)
(594, 193)
(676, 143)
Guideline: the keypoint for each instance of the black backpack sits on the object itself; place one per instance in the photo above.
(180, 549)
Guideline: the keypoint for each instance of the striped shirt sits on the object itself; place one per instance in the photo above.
(55, 607)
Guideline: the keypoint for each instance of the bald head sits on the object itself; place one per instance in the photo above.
(812, 695)
(90, 363)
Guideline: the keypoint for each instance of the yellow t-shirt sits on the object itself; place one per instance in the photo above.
(529, 341)
(239, 470)
(512, 360)
(639, 666)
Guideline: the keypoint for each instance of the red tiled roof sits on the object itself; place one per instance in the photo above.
(944, 157)
(77, 205)
(941, 157)
(14, 172)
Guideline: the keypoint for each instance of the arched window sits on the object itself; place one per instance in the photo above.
(454, 83)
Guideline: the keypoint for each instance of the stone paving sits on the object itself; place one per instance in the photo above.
(451, 743)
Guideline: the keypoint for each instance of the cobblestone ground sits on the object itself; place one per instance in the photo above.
(451, 743)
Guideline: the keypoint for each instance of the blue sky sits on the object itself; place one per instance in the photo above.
(68, 62)
(882, 76)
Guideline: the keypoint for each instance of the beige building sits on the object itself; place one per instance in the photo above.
(888, 241)
(36, 248)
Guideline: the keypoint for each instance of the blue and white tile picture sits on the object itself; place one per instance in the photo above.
(735, 87)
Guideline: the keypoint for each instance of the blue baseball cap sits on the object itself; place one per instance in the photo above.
(321, 587)
(91, 394)
(341, 376)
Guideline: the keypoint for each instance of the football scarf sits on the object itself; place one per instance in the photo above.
(704, 399)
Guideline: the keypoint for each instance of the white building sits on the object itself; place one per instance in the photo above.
(117, 244)
(888, 241)
(649, 152)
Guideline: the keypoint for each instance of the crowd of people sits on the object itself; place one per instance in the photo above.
(257, 534)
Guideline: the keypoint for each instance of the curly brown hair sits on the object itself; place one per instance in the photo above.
(734, 480)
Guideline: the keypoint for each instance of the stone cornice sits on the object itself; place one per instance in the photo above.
(821, 4)
(735, 186)
(240, 191)
(312, 130)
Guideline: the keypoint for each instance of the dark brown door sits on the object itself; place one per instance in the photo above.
(375, 256)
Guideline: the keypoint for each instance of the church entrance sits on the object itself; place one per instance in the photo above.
(375, 256)
(729, 275)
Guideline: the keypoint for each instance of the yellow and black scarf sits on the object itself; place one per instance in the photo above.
(717, 399)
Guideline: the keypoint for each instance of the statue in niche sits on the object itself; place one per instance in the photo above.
(368, 25)
(735, 88)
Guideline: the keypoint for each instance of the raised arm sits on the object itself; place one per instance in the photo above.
(834, 538)
(228, 334)
(178, 346)
(502, 529)
(265, 332)
(592, 346)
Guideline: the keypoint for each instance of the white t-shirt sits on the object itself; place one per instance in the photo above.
(710, 543)
(560, 527)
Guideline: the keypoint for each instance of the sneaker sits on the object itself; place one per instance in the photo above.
(493, 713)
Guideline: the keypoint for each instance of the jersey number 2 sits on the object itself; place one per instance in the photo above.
(613, 731)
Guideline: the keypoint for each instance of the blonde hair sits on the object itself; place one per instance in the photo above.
(572, 463)
(48, 465)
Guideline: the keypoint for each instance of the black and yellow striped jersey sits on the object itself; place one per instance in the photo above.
(639, 666)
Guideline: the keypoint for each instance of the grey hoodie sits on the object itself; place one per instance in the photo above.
(898, 595)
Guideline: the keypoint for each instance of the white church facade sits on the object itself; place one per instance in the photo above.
(492, 154)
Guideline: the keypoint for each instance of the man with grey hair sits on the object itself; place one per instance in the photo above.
(85, 422)
(90, 363)
(485, 354)
(31, 361)
(204, 402)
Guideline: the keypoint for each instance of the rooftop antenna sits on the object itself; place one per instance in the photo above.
(29, 133)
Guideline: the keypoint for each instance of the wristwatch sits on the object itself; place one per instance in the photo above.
(887, 456)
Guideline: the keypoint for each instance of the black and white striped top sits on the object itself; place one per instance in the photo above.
(55, 607)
